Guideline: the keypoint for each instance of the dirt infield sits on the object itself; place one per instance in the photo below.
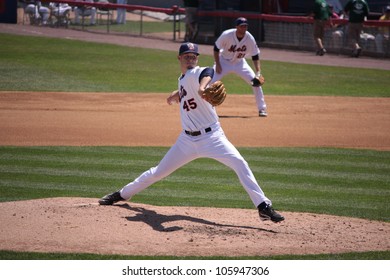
(79, 119)
(145, 119)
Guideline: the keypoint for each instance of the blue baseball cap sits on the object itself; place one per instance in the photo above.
(188, 48)
(241, 21)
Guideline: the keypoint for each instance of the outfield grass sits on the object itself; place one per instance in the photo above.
(47, 64)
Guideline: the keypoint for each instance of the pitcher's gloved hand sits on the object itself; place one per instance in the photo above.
(215, 94)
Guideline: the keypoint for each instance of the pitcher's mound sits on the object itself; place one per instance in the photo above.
(81, 225)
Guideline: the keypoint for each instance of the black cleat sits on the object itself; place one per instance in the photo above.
(356, 52)
(263, 113)
(321, 52)
(110, 199)
(266, 212)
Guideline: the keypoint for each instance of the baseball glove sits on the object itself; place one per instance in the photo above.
(215, 94)
(258, 81)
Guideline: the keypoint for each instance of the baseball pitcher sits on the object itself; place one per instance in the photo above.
(202, 136)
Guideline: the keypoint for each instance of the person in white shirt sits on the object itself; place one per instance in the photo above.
(38, 13)
(121, 12)
(230, 50)
(85, 11)
(201, 137)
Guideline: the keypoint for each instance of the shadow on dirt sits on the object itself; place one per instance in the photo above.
(235, 117)
(156, 220)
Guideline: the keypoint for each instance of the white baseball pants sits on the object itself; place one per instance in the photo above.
(187, 148)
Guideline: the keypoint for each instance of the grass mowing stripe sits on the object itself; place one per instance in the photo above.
(86, 166)
(302, 172)
(366, 164)
(323, 188)
(51, 185)
(61, 160)
(61, 172)
(329, 182)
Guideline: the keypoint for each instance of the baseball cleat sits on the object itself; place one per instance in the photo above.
(356, 52)
(110, 199)
(263, 113)
(321, 52)
(266, 212)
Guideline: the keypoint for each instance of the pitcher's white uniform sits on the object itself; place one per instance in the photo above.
(202, 136)
(198, 116)
(232, 58)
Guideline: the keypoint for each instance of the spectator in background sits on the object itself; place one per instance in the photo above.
(321, 14)
(383, 32)
(38, 14)
(59, 8)
(191, 7)
(337, 29)
(60, 11)
(121, 12)
(357, 11)
(85, 11)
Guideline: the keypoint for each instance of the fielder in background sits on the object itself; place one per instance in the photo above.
(321, 13)
(201, 137)
(357, 11)
(230, 50)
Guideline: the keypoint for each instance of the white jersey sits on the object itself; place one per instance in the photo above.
(232, 49)
(196, 114)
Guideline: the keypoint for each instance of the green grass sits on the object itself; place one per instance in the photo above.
(47, 64)
(10, 255)
(340, 182)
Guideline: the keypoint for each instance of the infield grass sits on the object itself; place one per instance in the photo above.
(339, 182)
(9, 255)
(30, 63)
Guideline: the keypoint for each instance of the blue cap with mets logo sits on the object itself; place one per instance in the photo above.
(188, 48)
(241, 21)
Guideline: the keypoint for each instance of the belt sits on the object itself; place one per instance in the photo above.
(197, 133)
